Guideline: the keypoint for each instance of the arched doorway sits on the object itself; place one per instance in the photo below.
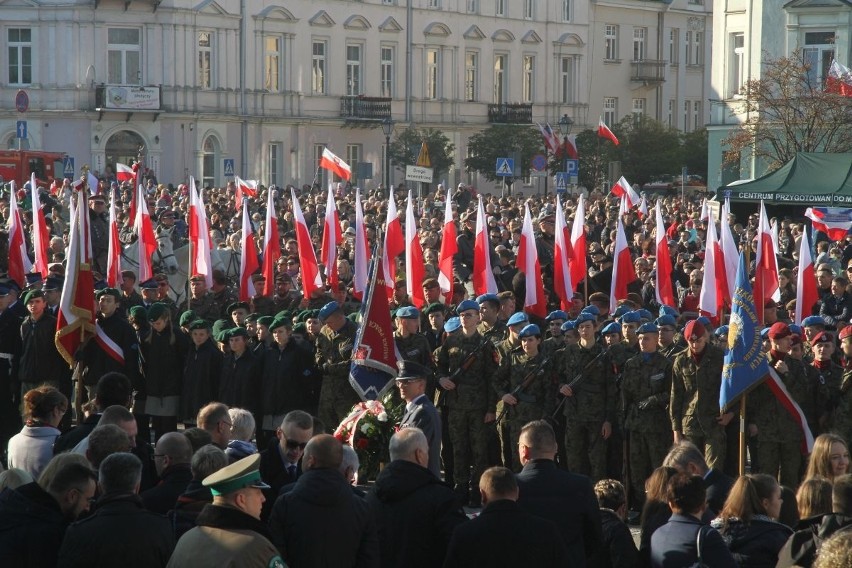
(123, 147)
(210, 157)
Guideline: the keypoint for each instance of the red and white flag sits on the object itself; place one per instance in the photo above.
(248, 259)
(527, 262)
(562, 255)
(730, 254)
(146, 242)
(779, 389)
(92, 182)
(578, 243)
(361, 260)
(40, 232)
(394, 246)
(414, 267)
(247, 188)
(623, 272)
(570, 147)
(551, 140)
(449, 248)
(703, 215)
(839, 79)
(806, 282)
(642, 211)
(622, 188)
(113, 275)
(123, 172)
(332, 237)
(835, 226)
(19, 261)
(483, 276)
(199, 236)
(711, 299)
(308, 267)
(334, 164)
(271, 245)
(765, 267)
(605, 132)
(623, 209)
(663, 283)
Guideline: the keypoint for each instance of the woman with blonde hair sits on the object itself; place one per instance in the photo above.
(829, 458)
(814, 501)
(32, 447)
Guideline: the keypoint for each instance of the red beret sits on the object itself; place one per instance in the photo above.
(822, 337)
(795, 339)
(779, 330)
(694, 330)
(845, 332)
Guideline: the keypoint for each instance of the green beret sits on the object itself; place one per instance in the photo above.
(237, 332)
(313, 314)
(353, 317)
(187, 317)
(109, 292)
(198, 324)
(219, 327)
(279, 321)
(434, 308)
(33, 294)
(265, 320)
(285, 314)
(157, 311)
(139, 313)
(238, 306)
(302, 316)
(253, 317)
(300, 328)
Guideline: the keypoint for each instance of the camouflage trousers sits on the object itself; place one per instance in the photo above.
(469, 435)
(709, 437)
(585, 449)
(337, 397)
(781, 460)
(647, 450)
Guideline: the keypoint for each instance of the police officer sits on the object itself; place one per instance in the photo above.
(334, 351)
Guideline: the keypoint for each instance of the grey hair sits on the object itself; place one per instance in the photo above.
(242, 424)
(684, 453)
(207, 460)
(120, 473)
(404, 443)
(350, 459)
(298, 418)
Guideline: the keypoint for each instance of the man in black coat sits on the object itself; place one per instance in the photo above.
(415, 512)
(99, 357)
(112, 389)
(281, 463)
(120, 532)
(687, 458)
(419, 410)
(10, 351)
(504, 534)
(321, 501)
(239, 383)
(566, 499)
(172, 460)
(619, 549)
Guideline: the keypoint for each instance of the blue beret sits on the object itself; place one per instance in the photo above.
(648, 327)
(556, 315)
(487, 298)
(611, 327)
(668, 311)
(703, 320)
(518, 318)
(407, 312)
(328, 309)
(764, 333)
(795, 329)
(645, 315)
(467, 305)
(568, 326)
(591, 310)
(584, 317)
(721, 330)
(149, 284)
(631, 317)
(452, 324)
(529, 331)
(621, 310)
(666, 320)
(813, 320)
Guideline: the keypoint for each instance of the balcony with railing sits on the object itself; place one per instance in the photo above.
(506, 113)
(360, 107)
(648, 70)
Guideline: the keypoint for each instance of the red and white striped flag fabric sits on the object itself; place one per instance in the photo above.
(332, 163)
(703, 214)
(623, 209)
(730, 254)
(145, 239)
(308, 267)
(527, 262)
(271, 245)
(361, 260)
(92, 182)
(605, 132)
(562, 255)
(247, 188)
(449, 249)
(414, 267)
(765, 267)
(663, 283)
(40, 232)
(578, 243)
(839, 79)
(570, 147)
(806, 282)
(483, 275)
(711, 299)
(331, 239)
(550, 138)
(199, 236)
(779, 389)
(642, 211)
(19, 261)
(623, 272)
(394, 246)
(835, 226)
(622, 188)
(123, 172)
(248, 258)
(113, 275)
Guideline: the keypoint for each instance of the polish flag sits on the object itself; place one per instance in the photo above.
(271, 245)
(622, 268)
(623, 209)
(527, 262)
(145, 239)
(578, 243)
(836, 228)
(730, 254)
(92, 182)
(703, 214)
(806, 287)
(605, 132)
(642, 212)
(414, 268)
(361, 260)
(449, 248)
(332, 237)
(199, 236)
(248, 258)
(394, 246)
(123, 172)
(311, 279)
(711, 299)
(247, 187)
(766, 266)
(19, 262)
(622, 188)
(570, 147)
(40, 232)
(562, 255)
(334, 164)
(663, 284)
(839, 79)
(550, 138)
(483, 276)
(113, 275)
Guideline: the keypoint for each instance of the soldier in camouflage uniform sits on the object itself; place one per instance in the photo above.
(841, 400)
(590, 405)
(619, 355)
(413, 346)
(490, 326)
(824, 379)
(201, 301)
(667, 345)
(261, 304)
(222, 293)
(514, 325)
(694, 406)
(471, 400)
(163, 297)
(536, 401)
(646, 390)
(333, 354)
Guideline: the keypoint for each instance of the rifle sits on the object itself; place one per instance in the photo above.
(580, 376)
(528, 380)
(465, 365)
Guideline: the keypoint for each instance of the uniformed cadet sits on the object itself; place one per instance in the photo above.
(261, 303)
(514, 325)
(554, 320)
(201, 300)
(451, 327)
(536, 400)
(433, 327)
(471, 398)
(228, 531)
(842, 399)
(490, 326)
(412, 345)
(163, 287)
(669, 344)
(811, 326)
(824, 377)
(590, 405)
(619, 355)
(694, 406)
(334, 351)
(238, 311)
(646, 390)
(611, 334)
(569, 333)
(148, 290)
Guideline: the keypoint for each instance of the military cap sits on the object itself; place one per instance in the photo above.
(161, 277)
(631, 317)
(411, 371)
(167, 213)
(467, 305)
(32, 278)
(668, 311)
(97, 197)
(328, 309)
(285, 314)
(703, 320)
(764, 333)
(139, 313)
(149, 284)
(187, 317)
(157, 311)
(238, 306)
(99, 284)
(252, 317)
(408, 312)
(529, 331)
(128, 274)
(198, 278)
(452, 324)
(239, 475)
(779, 330)
(257, 277)
(645, 315)
(648, 327)
(33, 294)
(694, 330)
(237, 332)
(568, 326)
(109, 292)
(278, 321)
(4, 290)
(611, 327)
(621, 310)
(813, 320)
(845, 332)
(517, 318)
(556, 315)
(721, 330)
(52, 283)
(12, 285)
(265, 321)
(796, 329)
(594, 310)
(314, 314)
(488, 298)
(430, 283)
(219, 329)
(300, 328)
(434, 308)
(400, 284)
(584, 317)
(666, 320)
(198, 324)
(821, 337)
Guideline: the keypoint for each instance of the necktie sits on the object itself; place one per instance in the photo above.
(291, 469)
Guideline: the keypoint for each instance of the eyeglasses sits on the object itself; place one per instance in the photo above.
(293, 444)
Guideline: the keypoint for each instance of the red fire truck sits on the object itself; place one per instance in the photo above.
(19, 164)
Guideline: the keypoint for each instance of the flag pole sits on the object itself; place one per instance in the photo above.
(742, 453)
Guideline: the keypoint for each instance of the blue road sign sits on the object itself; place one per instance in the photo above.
(21, 129)
(561, 182)
(572, 167)
(538, 162)
(505, 167)
(68, 167)
(229, 167)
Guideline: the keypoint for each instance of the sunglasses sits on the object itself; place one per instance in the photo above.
(293, 445)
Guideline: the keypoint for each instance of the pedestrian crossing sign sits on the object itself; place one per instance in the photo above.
(505, 167)
(229, 167)
(561, 182)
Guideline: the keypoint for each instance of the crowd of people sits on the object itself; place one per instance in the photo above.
(213, 428)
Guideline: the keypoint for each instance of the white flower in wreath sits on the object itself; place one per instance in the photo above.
(382, 417)
(366, 428)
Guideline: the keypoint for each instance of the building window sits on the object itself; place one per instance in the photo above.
(433, 63)
(529, 78)
(674, 46)
(353, 70)
(670, 116)
(322, 173)
(387, 71)
(433, 3)
(736, 63)
(565, 11)
(639, 35)
(818, 53)
(20, 56)
(500, 8)
(272, 64)
(353, 156)
(473, 6)
(471, 72)
(499, 79)
(610, 111)
(124, 56)
(205, 59)
(566, 80)
(389, 2)
(209, 159)
(687, 108)
(697, 123)
(529, 9)
(694, 49)
(318, 68)
(638, 107)
(611, 42)
(275, 163)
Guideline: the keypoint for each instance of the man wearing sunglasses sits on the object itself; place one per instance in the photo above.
(280, 463)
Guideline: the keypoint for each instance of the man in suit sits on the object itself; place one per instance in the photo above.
(492, 538)
(419, 410)
(566, 499)
(687, 458)
(280, 464)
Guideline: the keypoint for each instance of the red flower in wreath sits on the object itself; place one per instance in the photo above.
(362, 443)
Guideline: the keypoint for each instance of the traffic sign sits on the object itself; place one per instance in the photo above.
(21, 129)
(22, 101)
(423, 159)
(505, 167)
(538, 163)
(68, 167)
(416, 173)
(229, 167)
(561, 182)
(572, 167)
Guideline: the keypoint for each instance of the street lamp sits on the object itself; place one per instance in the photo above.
(387, 128)
(565, 124)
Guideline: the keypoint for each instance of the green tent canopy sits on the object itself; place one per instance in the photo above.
(808, 179)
